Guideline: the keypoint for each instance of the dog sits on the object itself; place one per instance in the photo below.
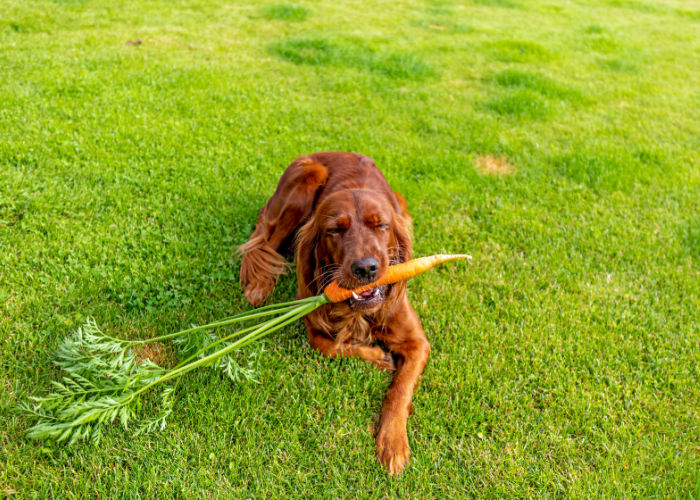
(346, 223)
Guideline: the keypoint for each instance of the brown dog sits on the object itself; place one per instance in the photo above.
(350, 226)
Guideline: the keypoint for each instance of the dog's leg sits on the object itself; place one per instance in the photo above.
(405, 338)
(284, 212)
(261, 264)
(328, 347)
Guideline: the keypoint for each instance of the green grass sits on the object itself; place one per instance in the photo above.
(319, 51)
(565, 358)
(286, 12)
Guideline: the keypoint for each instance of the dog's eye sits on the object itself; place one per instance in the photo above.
(382, 226)
(336, 230)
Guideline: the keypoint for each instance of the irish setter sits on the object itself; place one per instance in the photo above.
(349, 226)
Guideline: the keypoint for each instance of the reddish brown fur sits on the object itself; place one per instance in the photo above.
(342, 209)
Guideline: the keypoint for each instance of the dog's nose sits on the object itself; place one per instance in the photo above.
(365, 269)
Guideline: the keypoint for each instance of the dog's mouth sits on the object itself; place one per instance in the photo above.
(368, 299)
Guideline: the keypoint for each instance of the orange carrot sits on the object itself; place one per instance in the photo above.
(398, 272)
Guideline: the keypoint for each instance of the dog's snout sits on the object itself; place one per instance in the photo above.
(365, 269)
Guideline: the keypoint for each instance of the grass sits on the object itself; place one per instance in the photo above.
(319, 51)
(286, 12)
(565, 359)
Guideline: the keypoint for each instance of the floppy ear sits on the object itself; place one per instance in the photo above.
(400, 252)
(307, 258)
(401, 229)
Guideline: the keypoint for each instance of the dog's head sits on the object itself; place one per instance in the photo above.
(353, 236)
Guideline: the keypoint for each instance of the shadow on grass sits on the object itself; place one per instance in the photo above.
(506, 4)
(520, 104)
(615, 55)
(646, 7)
(320, 51)
(527, 95)
(618, 65)
(286, 12)
(544, 85)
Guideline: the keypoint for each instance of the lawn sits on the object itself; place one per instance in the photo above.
(556, 142)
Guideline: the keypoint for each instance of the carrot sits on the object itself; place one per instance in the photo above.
(104, 379)
(398, 272)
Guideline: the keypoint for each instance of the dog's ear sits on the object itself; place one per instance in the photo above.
(400, 252)
(307, 257)
(401, 232)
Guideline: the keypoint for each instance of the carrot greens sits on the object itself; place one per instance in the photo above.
(105, 380)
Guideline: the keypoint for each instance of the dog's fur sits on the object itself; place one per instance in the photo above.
(342, 209)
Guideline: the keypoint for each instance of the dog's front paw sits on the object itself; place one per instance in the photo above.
(392, 447)
(382, 359)
(386, 363)
(257, 291)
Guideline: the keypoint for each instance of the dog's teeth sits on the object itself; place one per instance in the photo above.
(355, 296)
